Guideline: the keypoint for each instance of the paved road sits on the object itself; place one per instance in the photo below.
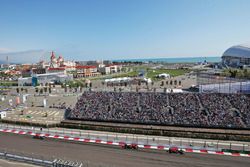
(141, 139)
(113, 156)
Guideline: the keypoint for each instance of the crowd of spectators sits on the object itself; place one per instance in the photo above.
(183, 109)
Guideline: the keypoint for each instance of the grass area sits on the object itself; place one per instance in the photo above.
(8, 83)
(129, 74)
(150, 73)
(76, 83)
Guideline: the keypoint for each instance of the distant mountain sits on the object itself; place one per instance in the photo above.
(2, 62)
(29, 56)
(5, 62)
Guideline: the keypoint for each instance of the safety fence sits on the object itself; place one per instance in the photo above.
(196, 144)
(121, 143)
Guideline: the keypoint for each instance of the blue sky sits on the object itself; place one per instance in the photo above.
(120, 29)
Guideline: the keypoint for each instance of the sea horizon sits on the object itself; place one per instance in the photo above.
(213, 59)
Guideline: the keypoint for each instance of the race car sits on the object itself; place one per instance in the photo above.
(130, 146)
(38, 137)
(175, 150)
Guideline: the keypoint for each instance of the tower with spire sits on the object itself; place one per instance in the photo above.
(53, 60)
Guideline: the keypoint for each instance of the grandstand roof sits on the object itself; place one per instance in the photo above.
(241, 51)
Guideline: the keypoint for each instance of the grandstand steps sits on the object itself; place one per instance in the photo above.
(242, 122)
(208, 113)
(138, 102)
(229, 103)
(168, 100)
(199, 101)
(237, 115)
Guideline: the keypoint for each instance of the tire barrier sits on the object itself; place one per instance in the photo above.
(120, 143)
(64, 163)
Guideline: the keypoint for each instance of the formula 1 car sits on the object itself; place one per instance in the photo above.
(130, 146)
(175, 150)
(38, 137)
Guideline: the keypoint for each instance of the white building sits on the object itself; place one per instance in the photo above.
(163, 75)
(110, 69)
(118, 80)
(2, 114)
(86, 71)
(59, 77)
(61, 63)
(104, 70)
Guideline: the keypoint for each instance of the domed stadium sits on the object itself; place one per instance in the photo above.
(237, 56)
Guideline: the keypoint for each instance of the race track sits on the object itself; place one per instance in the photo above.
(113, 156)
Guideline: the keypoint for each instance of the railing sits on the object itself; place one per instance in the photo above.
(21, 157)
(30, 158)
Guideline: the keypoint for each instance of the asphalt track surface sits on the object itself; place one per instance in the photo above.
(114, 156)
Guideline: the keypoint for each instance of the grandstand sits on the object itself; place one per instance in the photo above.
(179, 109)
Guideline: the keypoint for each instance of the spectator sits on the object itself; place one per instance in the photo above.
(185, 109)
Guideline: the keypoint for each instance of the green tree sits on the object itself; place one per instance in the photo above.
(239, 74)
(245, 73)
(233, 73)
